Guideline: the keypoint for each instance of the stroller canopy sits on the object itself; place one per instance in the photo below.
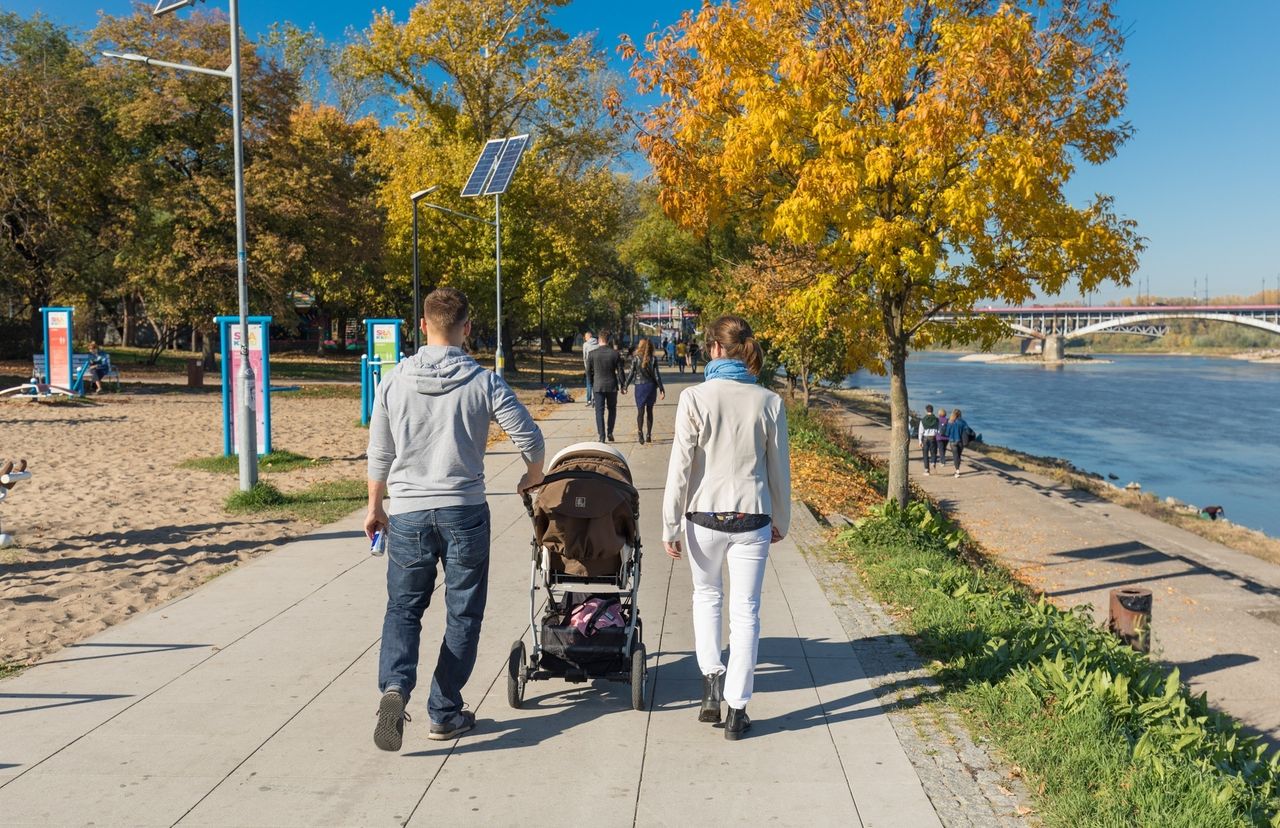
(586, 510)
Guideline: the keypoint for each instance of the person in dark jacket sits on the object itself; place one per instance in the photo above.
(958, 436)
(647, 379)
(605, 374)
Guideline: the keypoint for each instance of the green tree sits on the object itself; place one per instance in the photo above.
(464, 71)
(55, 170)
(175, 230)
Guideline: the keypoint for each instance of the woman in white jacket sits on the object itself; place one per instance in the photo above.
(728, 496)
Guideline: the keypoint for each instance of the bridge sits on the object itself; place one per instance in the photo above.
(1052, 325)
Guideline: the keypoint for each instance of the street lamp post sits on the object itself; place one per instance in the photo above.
(542, 333)
(469, 217)
(417, 290)
(246, 417)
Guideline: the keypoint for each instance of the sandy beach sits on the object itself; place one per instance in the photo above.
(110, 525)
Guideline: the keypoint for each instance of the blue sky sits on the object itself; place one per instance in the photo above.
(1201, 176)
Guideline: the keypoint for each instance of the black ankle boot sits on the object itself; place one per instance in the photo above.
(712, 695)
(640, 437)
(737, 723)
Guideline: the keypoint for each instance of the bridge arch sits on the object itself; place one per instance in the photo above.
(1125, 321)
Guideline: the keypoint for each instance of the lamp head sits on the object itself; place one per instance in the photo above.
(424, 193)
(126, 56)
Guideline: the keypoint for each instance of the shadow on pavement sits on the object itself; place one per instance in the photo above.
(64, 700)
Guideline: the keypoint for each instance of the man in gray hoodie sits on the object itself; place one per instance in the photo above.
(427, 441)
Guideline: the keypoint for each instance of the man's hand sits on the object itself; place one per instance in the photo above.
(532, 476)
(673, 549)
(775, 535)
(375, 519)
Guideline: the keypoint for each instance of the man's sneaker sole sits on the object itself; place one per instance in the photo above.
(388, 734)
(468, 723)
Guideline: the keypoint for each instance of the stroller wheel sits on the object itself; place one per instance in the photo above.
(637, 676)
(516, 675)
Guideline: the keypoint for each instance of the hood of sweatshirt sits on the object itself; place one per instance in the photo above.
(438, 369)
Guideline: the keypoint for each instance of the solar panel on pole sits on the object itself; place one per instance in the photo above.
(506, 166)
(483, 169)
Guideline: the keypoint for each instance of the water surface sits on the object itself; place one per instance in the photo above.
(1204, 430)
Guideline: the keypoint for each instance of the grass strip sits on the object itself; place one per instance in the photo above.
(8, 668)
(1106, 736)
(277, 461)
(324, 391)
(321, 503)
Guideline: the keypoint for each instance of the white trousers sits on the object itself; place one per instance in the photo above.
(748, 553)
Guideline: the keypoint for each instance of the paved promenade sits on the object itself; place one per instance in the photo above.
(1216, 611)
(251, 701)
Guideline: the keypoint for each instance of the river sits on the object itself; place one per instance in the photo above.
(1203, 430)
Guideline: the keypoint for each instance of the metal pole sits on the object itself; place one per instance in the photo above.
(542, 335)
(246, 418)
(417, 292)
(497, 255)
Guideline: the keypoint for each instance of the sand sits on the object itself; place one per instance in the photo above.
(109, 525)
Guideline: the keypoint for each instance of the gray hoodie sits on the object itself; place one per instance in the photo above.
(430, 425)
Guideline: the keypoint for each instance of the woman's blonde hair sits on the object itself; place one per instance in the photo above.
(644, 350)
(734, 335)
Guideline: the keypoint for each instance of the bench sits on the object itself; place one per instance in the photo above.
(79, 364)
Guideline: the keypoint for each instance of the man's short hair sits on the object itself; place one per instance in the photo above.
(446, 308)
(604, 335)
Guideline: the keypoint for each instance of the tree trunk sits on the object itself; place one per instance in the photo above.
(900, 438)
(207, 354)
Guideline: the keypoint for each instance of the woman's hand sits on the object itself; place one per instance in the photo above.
(662, 395)
(673, 549)
(775, 535)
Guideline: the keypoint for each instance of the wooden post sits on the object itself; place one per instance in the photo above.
(1130, 617)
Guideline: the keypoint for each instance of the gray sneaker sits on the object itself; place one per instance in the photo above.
(388, 734)
(461, 722)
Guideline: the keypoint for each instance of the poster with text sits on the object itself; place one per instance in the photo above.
(384, 343)
(255, 362)
(59, 355)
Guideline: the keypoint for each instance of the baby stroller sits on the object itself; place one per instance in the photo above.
(586, 555)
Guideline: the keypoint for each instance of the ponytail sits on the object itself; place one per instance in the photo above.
(753, 355)
(734, 335)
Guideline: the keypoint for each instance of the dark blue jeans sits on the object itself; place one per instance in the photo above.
(458, 538)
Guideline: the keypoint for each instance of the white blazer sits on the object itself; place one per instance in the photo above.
(730, 454)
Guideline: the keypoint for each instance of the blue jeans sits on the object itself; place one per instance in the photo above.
(587, 380)
(458, 537)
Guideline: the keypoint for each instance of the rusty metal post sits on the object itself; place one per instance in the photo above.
(1130, 617)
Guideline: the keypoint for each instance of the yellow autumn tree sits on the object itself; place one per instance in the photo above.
(922, 146)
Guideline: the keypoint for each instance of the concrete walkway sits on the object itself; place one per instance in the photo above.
(1216, 611)
(251, 702)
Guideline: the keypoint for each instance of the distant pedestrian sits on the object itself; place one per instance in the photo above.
(431, 418)
(606, 377)
(941, 439)
(671, 352)
(680, 354)
(647, 380)
(589, 344)
(958, 436)
(929, 438)
(728, 496)
(694, 353)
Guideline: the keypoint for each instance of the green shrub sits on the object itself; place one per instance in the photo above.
(1116, 738)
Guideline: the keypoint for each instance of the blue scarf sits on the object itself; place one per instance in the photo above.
(730, 369)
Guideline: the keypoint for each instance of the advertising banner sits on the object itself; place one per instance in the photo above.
(57, 345)
(259, 394)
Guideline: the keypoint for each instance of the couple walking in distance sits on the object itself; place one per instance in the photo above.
(727, 497)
